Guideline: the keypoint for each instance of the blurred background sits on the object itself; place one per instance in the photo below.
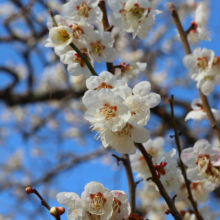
(45, 142)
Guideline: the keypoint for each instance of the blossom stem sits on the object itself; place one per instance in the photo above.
(205, 102)
(187, 182)
(84, 58)
(170, 202)
(131, 182)
(106, 27)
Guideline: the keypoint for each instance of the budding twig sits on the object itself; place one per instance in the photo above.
(84, 58)
(157, 181)
(187, 49)
(30, 190)
(187, 182)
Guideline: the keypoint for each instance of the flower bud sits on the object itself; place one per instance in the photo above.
(54, 211)
(29, 190)
(61, 210)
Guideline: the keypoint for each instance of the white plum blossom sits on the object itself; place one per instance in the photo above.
(200, 191)
(61, 36)
(105, 80)
(201, 65)
(76, 65)
(197, 33)
(121, 208)
(123, 141)
(133, 16)
(101, 46)
(203, 162)
(198, 30)
(78, 28)
(81, 10)
(129, 71)
(107, 110)
(75, 208)
(199, 113)
(139, 100)
(155, 149)
(98, 200)
(167, 170)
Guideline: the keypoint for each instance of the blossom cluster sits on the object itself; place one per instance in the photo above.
(204, 68)
(74, 27)
(117, 112)
(96, 202)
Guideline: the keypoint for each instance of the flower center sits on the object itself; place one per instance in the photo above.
(116, 206)
(126, 130)
(124, 67)
(83, 9)
(202, 62)
(108, 111)
(97, 201)
(61, 36)
(77, 31)
(97, 48)
(137, 11)
(205, 166)
(160, 168)
(78, 59)
(104, 85)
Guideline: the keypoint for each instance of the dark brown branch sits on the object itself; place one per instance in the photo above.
(131, 182)
(108, 28)
(187, 182)
(186, 47)
(158, 183)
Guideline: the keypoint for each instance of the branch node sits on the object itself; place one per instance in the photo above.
(118, 159)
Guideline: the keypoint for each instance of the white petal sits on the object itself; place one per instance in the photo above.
(142, 88)
(207, 87)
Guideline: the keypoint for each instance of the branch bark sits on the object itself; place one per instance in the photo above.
(131, 182)
(170, 202)
(106, 27)
(187, 49)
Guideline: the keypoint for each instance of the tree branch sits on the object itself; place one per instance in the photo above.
(131, 182)
(187, 182)
(156, 180)
(106, 27)
(186, 47)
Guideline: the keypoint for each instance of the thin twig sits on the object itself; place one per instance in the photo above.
(131, 183)
(187, 182)
(118, 158)
(186, 47)
(106, 27)
(137, 182)
(157, 181)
